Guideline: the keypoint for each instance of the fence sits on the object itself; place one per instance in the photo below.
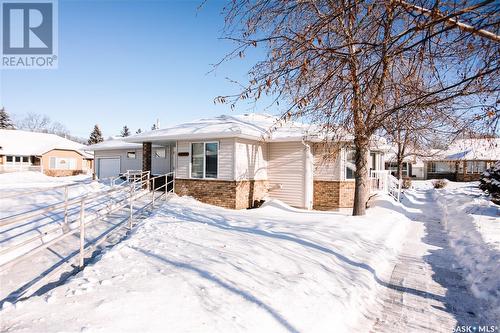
(130, 187)
(383, 181)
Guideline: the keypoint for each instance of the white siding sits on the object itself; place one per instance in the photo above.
(226, 148)
(160, 166)
(287, 172)
(226, 163)
(251, 160)
(182, 169)
(125, 163)
(326, 163)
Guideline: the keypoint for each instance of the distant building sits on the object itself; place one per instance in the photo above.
(464, 160)
(43, 152)
(413, 165)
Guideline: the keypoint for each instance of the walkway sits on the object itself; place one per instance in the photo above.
(55, 264)
(431, 294)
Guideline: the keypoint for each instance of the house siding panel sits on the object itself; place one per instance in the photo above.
(251, 160)
(286, 172)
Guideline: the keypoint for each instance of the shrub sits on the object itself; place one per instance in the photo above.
(406, 183)
(439, 183)
(490, 182)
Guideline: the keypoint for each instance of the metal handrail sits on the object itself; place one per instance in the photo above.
(85, 221)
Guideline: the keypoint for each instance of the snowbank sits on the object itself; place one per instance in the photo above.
(473, 226)
(198, 268)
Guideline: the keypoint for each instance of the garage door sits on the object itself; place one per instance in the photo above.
(108, 167)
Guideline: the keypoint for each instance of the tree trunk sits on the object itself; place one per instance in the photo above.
(361, 176)
(399, 173)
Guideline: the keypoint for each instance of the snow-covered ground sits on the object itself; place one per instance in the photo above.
(472, 223)
(194, 267)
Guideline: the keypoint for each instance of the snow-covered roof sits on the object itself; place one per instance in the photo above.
(249, 126)
(25, 143)
(471, 149)
(113, 144)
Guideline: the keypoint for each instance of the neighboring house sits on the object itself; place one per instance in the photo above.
(413, 166)
(232, 161)
(115, 157)
(47, 153)
(464, 160)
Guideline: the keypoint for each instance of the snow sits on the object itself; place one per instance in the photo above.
(113, 144)
(473, 226)
(250, 126)
(25, 143)
(471, 149)
(30, 179)
(193, 267)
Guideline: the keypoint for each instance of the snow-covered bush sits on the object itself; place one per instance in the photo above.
(490, 182)
(439, 183)
(406, 183)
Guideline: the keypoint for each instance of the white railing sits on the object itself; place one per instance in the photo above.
(4, 168)
(136, 185)
(383, 181)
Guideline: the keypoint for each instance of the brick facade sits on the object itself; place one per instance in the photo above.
(333, 194)
(223, 193)
(468, 177)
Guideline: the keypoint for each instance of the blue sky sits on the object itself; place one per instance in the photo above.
(130, 62)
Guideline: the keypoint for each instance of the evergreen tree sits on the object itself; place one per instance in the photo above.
(5, 122)
(139, 131)
(154, 127)
(490, 182)
(95, 136)
(125, 131)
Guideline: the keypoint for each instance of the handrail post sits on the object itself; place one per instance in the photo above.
(153, 196)
(82, 233)
(66, 207)
(131, 204)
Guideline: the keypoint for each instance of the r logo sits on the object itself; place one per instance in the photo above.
(27, 28)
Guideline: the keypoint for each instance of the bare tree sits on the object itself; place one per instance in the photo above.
(338, 63)
(36, 122)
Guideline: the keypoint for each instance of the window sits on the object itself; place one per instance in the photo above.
(10, 159)
(441, 167)
(52, 163)
(350, 164)
(18, 159)
(476, 166)
(131, 154)
(25, 159)
(204, 159)
(62, 163)
(159, 153)
(373, 158)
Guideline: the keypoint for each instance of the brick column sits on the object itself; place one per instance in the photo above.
(146, 156)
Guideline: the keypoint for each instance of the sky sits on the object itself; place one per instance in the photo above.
(130, 63)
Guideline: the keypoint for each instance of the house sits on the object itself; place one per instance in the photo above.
(413, 165)
(464, 160)
(43, 152)
(115, 157)
(232, 161)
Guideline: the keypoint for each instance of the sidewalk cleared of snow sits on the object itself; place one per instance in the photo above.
(473, 226)
(198, 268)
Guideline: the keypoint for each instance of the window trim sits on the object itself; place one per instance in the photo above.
(131, 151)
(204, 159)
